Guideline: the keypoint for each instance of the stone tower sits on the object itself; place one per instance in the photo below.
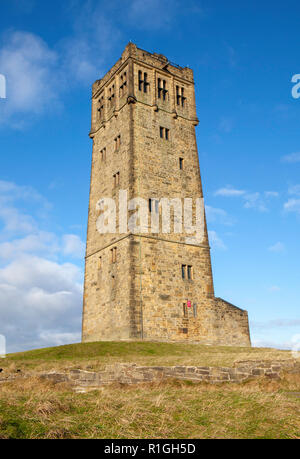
(143, 281)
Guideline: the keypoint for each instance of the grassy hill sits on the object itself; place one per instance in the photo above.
(99, 354)
(32, 408)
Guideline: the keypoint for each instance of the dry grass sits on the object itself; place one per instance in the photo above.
(257, 409)
(32, 408)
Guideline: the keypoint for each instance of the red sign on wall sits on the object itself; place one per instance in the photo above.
(189, 304)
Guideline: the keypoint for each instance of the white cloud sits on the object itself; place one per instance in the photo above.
(229, 191)
(292, 205)
(226, 124)
(274, 288)
(295, 189)
(278, 247)
(215, 215)
(73, 246)
(40, 294)
(37, 296)
(30, 68)
(215, 241)
(255, 200)
(291, 158)
(271, 194)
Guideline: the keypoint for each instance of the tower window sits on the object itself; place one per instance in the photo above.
(187, 272)
(143, 83)
(195, 309)
(164, 133)
(111, 96)
(180, 98)
(185, 310)
(116, 177)
(101, 107)
(123, 84)
(153, 205)
(117, 142)
(113, 252)
(162, 89)
(181, 162)
(103, 154)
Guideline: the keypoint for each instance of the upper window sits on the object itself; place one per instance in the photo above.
(187, 272)
(143, 81)
(164, 133)
(111, 96)
(123, 84)
(162, 89)
(180, 97)
(101, 107)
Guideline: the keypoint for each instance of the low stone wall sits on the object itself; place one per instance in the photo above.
(133, 374)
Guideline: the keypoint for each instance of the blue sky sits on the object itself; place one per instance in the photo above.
(244, 55)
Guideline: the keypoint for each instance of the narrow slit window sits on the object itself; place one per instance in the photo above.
(183, 271)
(116, 178)
(190, 272)
(101, 107)
(123, 84)
(161, 132)
(113, 254)
(195, 309)
(185, 311)
(167, 134)
(181, 162)
(117, 142)
(103, 154)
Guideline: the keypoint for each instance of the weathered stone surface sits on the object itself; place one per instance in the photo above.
(133, 374)
(141, 295)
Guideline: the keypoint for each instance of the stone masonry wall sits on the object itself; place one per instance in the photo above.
(133, 374)
(141, 295)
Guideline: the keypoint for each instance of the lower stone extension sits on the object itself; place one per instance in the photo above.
(133, 374)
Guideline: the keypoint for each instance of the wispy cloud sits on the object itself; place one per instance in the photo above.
(252, 200)
(215, 215)
(291, 158)
(229, 191)
(278, 247)
(295, 189)
(292, 205)
(215, 241)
